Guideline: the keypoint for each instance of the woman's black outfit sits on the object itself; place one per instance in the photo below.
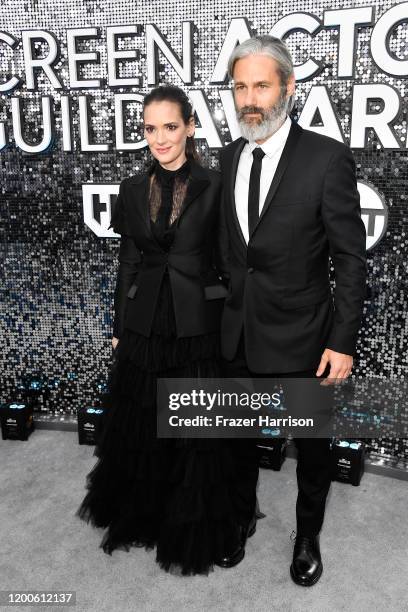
(175, 494)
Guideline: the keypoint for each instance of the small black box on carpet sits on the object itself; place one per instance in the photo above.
(348, 461)
(90, 424)
(16, 420)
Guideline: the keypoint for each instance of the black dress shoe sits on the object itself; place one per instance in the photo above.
(239, 553)
(306, 567)
(233, 559)
(229, 560)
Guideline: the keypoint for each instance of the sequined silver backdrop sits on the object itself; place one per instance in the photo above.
(69, 134)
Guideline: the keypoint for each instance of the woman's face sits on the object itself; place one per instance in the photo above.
(166, 133)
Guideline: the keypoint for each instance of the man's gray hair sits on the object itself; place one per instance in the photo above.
(271, 46)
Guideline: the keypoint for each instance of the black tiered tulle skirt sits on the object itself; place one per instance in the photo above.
(172, 494)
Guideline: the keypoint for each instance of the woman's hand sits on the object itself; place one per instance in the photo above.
(115, 342)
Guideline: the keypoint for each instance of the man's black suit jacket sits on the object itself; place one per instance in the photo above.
(279, 290)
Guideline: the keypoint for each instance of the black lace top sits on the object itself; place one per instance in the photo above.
(162, 229)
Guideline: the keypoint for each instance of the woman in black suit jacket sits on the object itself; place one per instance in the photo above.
(177, 494)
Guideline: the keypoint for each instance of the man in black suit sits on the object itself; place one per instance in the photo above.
(290, 201)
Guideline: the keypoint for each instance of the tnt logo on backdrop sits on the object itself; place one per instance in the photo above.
(374, 213)
(98, 203)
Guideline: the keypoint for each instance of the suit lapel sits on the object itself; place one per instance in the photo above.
(294, 133)
(234, 168)
(198, 181)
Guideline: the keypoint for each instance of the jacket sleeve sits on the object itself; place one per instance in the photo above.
(346, 234)
(221, 249)
(129, 260)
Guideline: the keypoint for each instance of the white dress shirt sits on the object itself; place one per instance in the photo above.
(273, 148)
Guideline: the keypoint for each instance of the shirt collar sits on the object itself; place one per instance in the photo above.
(274, 142)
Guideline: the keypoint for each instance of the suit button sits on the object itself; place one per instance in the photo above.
(250, 270)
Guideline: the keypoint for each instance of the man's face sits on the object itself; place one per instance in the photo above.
(260, 101)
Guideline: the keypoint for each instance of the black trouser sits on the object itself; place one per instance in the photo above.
(313, 464)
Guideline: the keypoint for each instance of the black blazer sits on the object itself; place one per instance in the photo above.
(279, 284)
(197, 291)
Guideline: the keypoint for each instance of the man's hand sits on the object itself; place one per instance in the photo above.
(115, 342)
(340, 366)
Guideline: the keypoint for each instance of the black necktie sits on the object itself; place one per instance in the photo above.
(253, 194)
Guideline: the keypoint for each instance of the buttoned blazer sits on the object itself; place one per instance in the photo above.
(191, 261)
(279, 289)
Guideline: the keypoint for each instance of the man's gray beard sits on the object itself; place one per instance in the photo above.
(272, 121)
